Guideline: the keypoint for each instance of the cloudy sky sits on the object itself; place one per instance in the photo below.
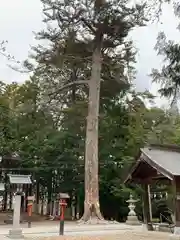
(19, 18)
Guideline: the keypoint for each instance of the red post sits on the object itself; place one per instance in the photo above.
(29, 209)
(63, 204)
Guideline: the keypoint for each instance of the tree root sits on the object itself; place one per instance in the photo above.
(92, 215)
(95, 220)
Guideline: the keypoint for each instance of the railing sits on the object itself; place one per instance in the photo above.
(171, 223)
(170, 210)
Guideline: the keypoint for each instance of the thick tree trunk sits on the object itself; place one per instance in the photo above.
(5, 200)
(37, 197)
(91, 204)
(42, 206)
(5, 193)
(50, 189)
(49, 204)
(10, 202)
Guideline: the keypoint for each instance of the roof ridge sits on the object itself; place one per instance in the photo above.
(168, 147)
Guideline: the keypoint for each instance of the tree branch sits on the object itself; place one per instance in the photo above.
(70, 85)
(88, 25)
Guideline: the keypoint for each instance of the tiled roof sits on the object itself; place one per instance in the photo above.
(164, 158)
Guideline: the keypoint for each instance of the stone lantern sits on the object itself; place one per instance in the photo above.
(17, 181)
(132, 218)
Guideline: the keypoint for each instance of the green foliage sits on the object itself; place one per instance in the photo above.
(46, 126)
(168, 76)
(53, 149)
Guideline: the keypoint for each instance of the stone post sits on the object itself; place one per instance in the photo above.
(16, 231)
(132, 218)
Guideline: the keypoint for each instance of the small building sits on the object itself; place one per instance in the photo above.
(157, 162)
(11, 171)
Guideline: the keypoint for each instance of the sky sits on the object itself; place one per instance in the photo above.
(20, 18)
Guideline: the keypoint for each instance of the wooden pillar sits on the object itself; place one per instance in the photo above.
(146, 208)
(150, 203)
(177, 206)
(173, 187)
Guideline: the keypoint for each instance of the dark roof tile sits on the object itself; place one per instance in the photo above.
(166, 159)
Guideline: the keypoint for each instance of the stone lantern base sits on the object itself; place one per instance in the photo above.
(174, 237)
(132, 220)
(15, 234)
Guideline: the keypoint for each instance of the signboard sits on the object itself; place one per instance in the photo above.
(64, 195)
(19, 179)
(2, 187)
(31, 198)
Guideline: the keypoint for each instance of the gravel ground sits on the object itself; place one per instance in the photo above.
(123, 236)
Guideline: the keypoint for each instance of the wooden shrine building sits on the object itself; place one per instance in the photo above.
(158, 162)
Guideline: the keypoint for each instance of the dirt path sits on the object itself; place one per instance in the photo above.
(123, 236)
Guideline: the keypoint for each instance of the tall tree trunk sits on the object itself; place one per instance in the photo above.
(10, 202)
(91, 204)
(42, 206)
(5, 193)
(50, 190)
(37, 197)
